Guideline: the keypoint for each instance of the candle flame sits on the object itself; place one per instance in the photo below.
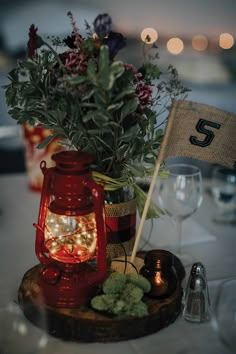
(158, 279)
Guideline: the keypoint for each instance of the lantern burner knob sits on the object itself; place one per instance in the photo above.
(51, 274)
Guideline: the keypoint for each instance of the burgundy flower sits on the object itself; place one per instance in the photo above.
(144, 93)
(130, 67)
(34, 41)
(75, 34)
(32, 45)
(76, 62)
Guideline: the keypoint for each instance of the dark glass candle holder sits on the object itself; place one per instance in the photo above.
(158, 269)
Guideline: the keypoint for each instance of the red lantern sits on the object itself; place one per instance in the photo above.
(70, 236)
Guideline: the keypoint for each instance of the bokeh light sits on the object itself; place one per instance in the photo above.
(149, 35)
(199, 42)
(175, 45)
(226, 41)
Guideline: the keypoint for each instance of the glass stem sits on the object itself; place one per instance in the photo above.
(179, 235)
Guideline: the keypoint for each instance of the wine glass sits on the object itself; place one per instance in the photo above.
(180, 195)
(224, 313)
(224, 194)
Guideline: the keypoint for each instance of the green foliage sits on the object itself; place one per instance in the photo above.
(95, 103)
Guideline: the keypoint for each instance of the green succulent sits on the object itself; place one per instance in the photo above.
(139, 281)
(132, 293)
(114, 284)
(122, 295)
(104, 302)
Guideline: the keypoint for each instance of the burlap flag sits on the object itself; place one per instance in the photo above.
(201, 132)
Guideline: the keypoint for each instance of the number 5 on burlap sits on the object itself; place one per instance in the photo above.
(195, 130)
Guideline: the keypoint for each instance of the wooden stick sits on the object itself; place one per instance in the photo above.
(153, 180)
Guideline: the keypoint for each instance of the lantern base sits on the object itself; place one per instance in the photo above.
(86, 325)
(67, 285)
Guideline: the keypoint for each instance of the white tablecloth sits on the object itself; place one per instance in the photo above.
(213, 245)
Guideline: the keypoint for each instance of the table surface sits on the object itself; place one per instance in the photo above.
(19, 210)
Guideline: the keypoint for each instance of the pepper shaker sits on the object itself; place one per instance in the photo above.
(197, 268)
(196, 297)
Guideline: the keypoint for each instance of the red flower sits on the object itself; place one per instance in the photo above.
(32, 43)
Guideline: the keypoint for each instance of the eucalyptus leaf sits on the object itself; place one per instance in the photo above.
(105, 75)
(99, 131)
(10, 97)
(91, 70)
(46, 141)
(124, 93)
(121, 152)
(130, 134)
(117, 69)
(13, 75)
(129, 107)
(76, 80)
(108, 147)
(100, 118)
(87, 96)
(115, 106)
(100, 97)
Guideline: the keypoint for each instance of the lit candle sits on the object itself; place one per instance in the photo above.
(158, 269)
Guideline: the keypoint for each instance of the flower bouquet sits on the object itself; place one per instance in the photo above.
(96, 103)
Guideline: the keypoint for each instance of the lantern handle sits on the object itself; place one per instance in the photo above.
(40, 248)
(97, 192)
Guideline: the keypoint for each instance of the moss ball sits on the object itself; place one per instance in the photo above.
(132, 293)
(114, 284)
(138, 309)
(140, 281)
(103, 302)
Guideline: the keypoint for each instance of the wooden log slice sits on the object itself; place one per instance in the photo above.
(87, 325)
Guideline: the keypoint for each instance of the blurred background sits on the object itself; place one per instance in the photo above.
(196, 37)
